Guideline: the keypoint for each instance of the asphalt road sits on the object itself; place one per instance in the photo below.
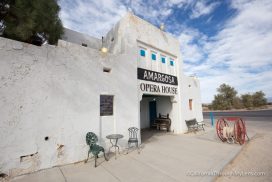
(248, 114)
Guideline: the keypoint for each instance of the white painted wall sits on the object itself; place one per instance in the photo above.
(164, 105)
(55, 91)
(79, 38)
(145, 123)
(155, 65)
(191, 90)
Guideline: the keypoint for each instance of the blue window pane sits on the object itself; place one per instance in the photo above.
(153, 56)
(142, 52)
(163, 60)
(171, 62)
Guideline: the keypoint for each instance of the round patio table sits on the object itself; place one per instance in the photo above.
(114, 140)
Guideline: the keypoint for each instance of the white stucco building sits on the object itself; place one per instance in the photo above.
(51, 96)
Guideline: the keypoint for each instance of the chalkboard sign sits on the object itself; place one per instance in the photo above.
(106, 105)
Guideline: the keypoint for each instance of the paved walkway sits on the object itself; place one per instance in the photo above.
(163, 157)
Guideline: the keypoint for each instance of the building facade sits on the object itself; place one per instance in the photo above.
(51, 96)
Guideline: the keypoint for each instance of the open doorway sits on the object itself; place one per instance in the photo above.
(151, 107)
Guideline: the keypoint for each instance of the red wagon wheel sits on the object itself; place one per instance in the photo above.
(240, 131)
(220, 124)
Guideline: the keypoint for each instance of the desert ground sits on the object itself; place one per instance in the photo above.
(254, 162)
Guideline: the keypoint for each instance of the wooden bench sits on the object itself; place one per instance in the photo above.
(193, 125)
(163, 122)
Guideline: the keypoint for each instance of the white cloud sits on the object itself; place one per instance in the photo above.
(156, 11)
(92, 17)
(180, 3)
(191, 51)
(239, 55)
(246, 39)
(97, 17)
(201, 8)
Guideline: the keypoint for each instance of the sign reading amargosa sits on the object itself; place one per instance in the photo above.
(153, 76)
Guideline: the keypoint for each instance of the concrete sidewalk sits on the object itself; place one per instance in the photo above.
(163, 157)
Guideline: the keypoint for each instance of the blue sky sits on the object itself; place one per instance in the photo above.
(221, 41)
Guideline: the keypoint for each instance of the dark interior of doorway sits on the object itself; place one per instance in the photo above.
(148, 133)
(152, 112)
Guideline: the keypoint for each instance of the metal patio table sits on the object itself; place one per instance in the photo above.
(115, 137)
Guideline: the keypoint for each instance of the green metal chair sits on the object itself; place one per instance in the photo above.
(91, 140)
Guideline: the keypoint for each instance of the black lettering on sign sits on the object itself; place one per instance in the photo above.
(153, 76)
(159, 89)
(106, 105)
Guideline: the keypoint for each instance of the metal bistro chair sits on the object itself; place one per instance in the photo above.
(91, 140)
(133, 131)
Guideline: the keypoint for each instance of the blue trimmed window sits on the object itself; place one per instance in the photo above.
(153, 56)
(171, 62)
(142, 52)
(163, 60)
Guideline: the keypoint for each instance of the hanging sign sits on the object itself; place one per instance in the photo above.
(154, 76)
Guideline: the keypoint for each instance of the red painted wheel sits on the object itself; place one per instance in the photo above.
(220, 124)
(240, 131)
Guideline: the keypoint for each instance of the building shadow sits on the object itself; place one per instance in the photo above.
(150, 135)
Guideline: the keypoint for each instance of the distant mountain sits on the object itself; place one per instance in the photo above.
(269, 99)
